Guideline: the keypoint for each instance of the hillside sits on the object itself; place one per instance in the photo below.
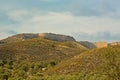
(103, 62)
(25, 59)
(39, 50)
(29, 57)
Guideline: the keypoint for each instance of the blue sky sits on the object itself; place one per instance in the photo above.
(93, 20)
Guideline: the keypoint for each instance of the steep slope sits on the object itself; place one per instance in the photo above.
(38, 49)
(101, 62)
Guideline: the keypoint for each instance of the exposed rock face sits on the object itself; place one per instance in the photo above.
(101, 44)
(56, 37)
(87, 44)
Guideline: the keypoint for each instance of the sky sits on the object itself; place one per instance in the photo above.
(89, 20)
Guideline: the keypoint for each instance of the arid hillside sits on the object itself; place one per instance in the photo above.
(57, 57)
(90, 61)
(38, 49)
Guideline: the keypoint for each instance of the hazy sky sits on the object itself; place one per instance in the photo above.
(94, 20)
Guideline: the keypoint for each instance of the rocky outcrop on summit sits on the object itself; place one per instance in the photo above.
(56, 37)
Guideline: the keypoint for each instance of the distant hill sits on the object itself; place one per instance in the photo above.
(101, 44)
(114, 43)
(88, 44)
(92, 45)
(26, 36)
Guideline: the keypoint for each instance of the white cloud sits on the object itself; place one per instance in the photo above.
(63, 23)
(18, 15)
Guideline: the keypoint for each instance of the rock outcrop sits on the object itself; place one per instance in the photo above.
(56, 37)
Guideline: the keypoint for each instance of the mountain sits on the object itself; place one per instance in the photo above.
(25, 55)
(38, 49)
(26, 36)
(49, 56)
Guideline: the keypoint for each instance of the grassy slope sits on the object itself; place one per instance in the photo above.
(103, 61)
(39, 50)
(96, 64)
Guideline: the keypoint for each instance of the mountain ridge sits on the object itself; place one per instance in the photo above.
(56, 37)
(49, 36)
